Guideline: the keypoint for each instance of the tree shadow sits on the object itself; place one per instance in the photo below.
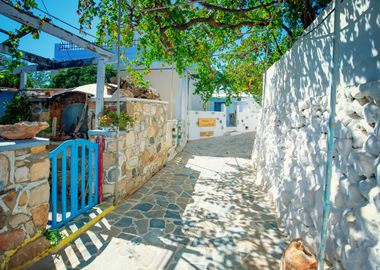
(190, 215)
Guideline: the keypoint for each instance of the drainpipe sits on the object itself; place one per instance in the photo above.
(330, 137)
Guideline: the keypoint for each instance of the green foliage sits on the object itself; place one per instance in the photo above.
(230, 43)
(16, 110)
(54, 236)
(9, 80)
(39, 79)
(74, 77)
(112, 120)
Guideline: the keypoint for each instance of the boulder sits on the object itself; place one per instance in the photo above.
(296, 257)
(22, 130)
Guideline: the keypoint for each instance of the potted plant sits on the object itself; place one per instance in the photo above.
(112, 121)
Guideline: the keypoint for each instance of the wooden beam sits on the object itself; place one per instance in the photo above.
(58, 65)
(47, 27)
(30, 57)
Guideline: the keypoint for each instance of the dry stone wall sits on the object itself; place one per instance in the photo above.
(142, 150)
(290, 148)
(24, 198)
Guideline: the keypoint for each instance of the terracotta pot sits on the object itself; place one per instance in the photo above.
(22, 130)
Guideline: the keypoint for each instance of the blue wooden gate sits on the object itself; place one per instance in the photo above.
(80, 193)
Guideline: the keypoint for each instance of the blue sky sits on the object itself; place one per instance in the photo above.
(44, 46)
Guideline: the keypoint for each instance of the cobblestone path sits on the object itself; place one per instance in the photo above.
(202, 211)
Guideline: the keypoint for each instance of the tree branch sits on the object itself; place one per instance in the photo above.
(231, 10)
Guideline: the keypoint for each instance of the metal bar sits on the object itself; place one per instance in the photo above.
(83, 182)
(54, 192)
(100, 141)
(47, 27)
(63, 186)
(100, 80)
(330, 137)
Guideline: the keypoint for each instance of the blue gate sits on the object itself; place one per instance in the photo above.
(80, 193)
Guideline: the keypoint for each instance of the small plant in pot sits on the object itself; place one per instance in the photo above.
(112, 121)
(14, 124)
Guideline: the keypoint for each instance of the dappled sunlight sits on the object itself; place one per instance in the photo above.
(202, 211)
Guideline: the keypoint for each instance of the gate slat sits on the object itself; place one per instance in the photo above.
(89, 176)
(83, 181)
(74, 180)
(64, 186)
(96, 175)
(54, 191)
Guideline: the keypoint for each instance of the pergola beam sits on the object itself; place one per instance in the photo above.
(47, 27)
(58, 65)
(30, 57)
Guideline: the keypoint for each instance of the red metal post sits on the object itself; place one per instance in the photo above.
(100, 141)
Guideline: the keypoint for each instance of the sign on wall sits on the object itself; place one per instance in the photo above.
(207, 122)
(207, 133)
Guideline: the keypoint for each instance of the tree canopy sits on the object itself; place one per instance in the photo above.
(228, 42)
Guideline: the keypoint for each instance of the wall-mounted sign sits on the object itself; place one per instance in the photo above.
(207, 122)
(207, 133)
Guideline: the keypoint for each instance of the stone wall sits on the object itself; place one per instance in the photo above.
(142, 149)
(24, 199)
(290, 148)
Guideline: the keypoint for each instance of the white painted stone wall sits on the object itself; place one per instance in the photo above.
(247, 116)
(290, 147)
(195, 130)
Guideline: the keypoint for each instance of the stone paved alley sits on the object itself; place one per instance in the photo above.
(202, 211)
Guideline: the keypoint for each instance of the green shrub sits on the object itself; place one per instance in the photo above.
(16, 110)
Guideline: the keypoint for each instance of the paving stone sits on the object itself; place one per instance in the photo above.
(173, 207)
(157, 223)
(124, 222)
(172, 214)
(143, 207)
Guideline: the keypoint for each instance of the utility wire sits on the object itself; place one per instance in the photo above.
(64, 22)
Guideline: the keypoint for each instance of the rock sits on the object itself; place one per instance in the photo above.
(23, 199)
(376, 200)
(371, 113)
(362, 162)
(4, 172)
(40, 216)
(370, 89)
(28, 252)
(377, 170)
(22, 174)
(37, 149)
(10, 240)
(10, 199)
(372, 145)
(365, 186)
(22, 130)
(18, 219)
(296, 257)
(40, 170)
(39, 195)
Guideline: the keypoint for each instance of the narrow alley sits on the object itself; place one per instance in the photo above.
(202, 211)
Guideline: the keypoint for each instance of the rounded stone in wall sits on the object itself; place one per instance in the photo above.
(4, 172)
(113, 175)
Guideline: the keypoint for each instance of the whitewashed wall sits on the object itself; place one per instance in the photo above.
(290, 149)
(195, 130)
(247, 116)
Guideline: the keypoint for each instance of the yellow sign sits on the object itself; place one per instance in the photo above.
(206, 122)
(207, 133)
